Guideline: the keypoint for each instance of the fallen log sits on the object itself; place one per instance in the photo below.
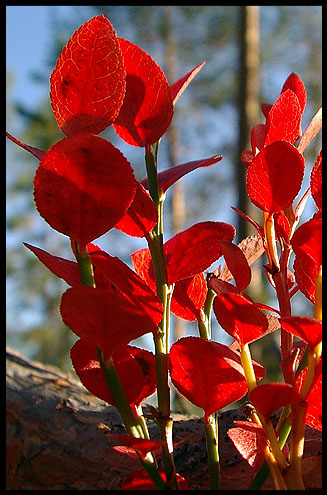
(56, 438)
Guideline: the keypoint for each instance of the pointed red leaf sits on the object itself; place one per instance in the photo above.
(148, 108)
(62, 268)
(128, 283)
(87, 86)
(220, 286)
(247, 444)
(274, 177)
(135, 368)
(307, 246)
(141, 216)
(311, 131)
(237, 264)
(239, 317)
(189, 297)
(208, 374)
(251, 247)
(104, 318)
(270, 397)
(168, 177)
(284, 119)
(39, 154)
(295, 83)
(140, 445)
(316, 182)
(83, 186)
(178, 88)
(308, 329)
(140, 480)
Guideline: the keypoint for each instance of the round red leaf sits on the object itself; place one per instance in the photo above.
(106, 319)
(239, 317)
(284, 119)
(274, 177)
(295, 83)
(87, 86)
(148, 107)
(83, 186)
(270, 397)
(189, 297)
(208, 374)
(135, 368)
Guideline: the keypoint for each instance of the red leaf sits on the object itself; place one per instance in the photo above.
(295, 83)
(62, 268)
(274, 177)
(313, 416)
(189, 297)
(284, 119)
(128, 283)
(103, 317)
(239, 317)
(208, 374)
(237, 263)
(140, 480)
(178, 88)
(168, 177)
(258, 137)
(270, 397)
(148, 108)
(316, 182)
(188, 253)
(307, 246)
(247, 444)
(251, 247)
(308, 329)
(141, 216)
(135, 368)
(140, 445)
(83, 186)
(39, 154)
(87, 86)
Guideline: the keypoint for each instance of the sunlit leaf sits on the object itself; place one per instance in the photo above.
(316, 182)
(148, 107)
(87, 85)
(308, 329)
(140, 480)
(178, 87)
(189, 297)
(270, 397)
(83, 186)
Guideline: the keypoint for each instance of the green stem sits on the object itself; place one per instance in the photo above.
(85, 266)
(211, 431)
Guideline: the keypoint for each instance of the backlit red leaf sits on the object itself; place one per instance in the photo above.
(313, 416)
(135, 368)
(168, 177)
(104, 318)
(311, 131)
(83, 186)
(239, 317)
(128, 283)
(140, 445)
(295, 83)
(307, 246)
(62, 268)
(87, 85)
(39, 154)
(270, 397)
(141, 216)
(274, 177)
(316, 182)
(284, 119)
(308, 329)
(247, 444)
(179, 86)
(189, 297)
(208, 374)
(237, 264)
(140, 480)
(148, 107)
(251, 247)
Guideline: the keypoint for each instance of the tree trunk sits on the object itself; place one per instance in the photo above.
(56, 438)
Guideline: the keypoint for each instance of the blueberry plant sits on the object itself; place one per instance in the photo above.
(84, 187)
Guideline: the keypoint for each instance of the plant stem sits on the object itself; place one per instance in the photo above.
(85, 266)
(211, 431)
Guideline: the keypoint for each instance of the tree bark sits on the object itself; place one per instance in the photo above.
(56, 438)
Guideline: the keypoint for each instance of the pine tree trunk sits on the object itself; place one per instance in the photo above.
(56, 438)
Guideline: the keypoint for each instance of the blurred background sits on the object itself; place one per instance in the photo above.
(249, 53)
